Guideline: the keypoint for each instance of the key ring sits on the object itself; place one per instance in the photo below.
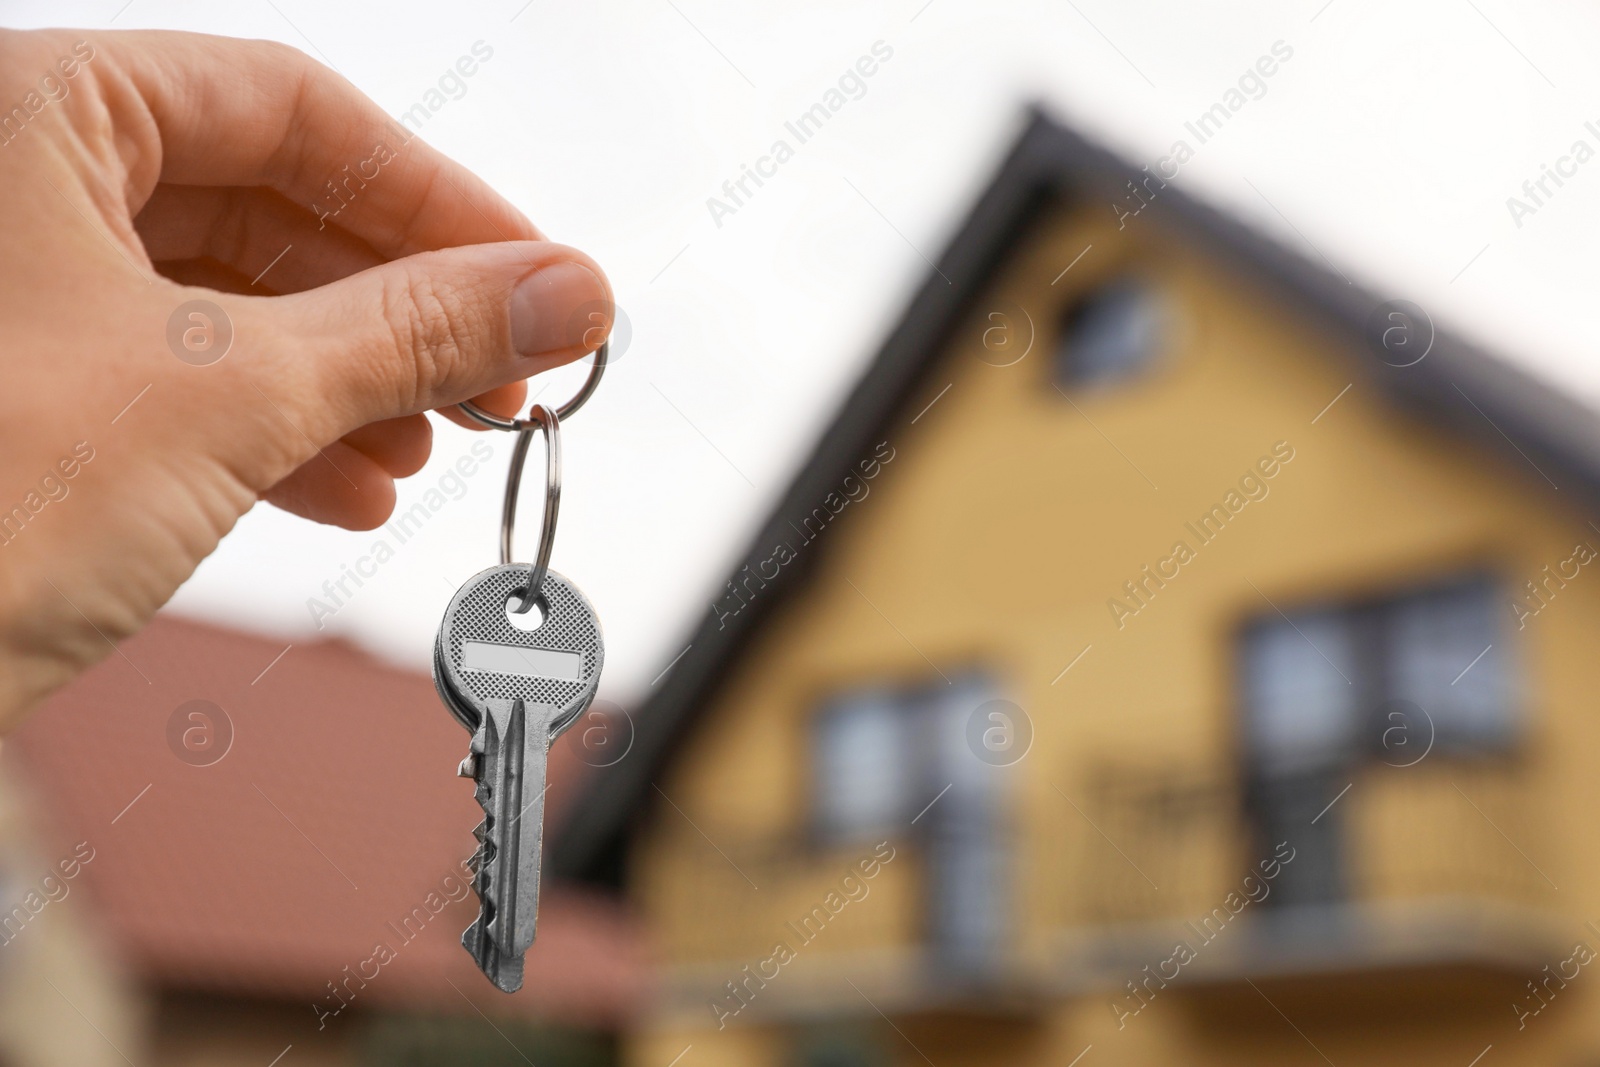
(565, 411)
(549, 422)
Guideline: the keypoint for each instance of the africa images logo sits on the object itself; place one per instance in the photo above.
(199, 732)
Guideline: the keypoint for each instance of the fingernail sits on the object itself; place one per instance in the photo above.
(546, 305)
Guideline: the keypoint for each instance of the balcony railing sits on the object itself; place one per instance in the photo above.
(739, 897)
(1145, 845)
(1438, 861)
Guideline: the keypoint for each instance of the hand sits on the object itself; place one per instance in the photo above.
(363, 277)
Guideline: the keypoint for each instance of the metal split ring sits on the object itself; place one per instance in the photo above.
(565, 411)
(549, 422)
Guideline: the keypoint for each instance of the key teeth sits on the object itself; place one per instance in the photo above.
(504, 971)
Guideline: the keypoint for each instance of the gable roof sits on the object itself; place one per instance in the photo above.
(330, 820)
(1456, 385)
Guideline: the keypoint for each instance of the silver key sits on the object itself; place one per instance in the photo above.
(517, 691)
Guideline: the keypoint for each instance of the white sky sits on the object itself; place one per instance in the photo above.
(1390, 141)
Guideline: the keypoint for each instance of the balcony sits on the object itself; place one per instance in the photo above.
(1441, 871)
(855, 944)
(1438, 867)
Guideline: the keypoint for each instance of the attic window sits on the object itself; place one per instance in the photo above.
(1113, 333)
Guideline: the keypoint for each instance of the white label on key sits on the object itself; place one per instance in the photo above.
(527, 662)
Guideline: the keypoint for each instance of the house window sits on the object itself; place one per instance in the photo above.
(1113, 333)
(898, 763)
(883, 753)
(1395, 679)
(1299, 695)
(1302, 716)
(1447, 656)
(864, 766)
(1323, 687)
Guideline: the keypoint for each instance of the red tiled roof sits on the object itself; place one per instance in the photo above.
(335, 813)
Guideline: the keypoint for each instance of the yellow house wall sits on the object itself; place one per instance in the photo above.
(1007, 518)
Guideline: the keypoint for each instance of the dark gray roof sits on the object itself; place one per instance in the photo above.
(1551, 437)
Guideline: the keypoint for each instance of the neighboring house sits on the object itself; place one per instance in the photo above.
(274, 850)
(1145, 662)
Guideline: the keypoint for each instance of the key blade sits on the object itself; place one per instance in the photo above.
(504, 970)
(511, 787)
(527, 827)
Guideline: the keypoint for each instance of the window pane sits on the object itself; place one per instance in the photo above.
(1447, 655)
(1111, 334)
(949, 709)
(864, 766)
(968, 896)
(1299, 693)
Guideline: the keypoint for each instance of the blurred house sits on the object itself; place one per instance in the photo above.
(266, 853)
(1169, 654)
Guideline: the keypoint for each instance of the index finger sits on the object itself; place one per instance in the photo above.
(251, 113)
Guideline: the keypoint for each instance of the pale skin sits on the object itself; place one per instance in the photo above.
(172, 167)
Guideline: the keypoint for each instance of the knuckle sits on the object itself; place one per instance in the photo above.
(432, 327)
(285, 56)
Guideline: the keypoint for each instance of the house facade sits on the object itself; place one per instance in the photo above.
(1171, 654)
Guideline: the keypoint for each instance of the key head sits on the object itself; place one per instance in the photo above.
(481, 657)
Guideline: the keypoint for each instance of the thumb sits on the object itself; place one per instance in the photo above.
(440, 327)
